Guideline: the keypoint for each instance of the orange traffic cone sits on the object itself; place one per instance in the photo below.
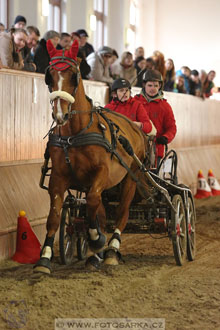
(203, 189)
(213, 183)
(27, 246)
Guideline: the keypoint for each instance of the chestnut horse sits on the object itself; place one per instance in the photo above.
(85, 154)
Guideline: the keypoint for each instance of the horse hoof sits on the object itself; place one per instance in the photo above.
(97, 246)
(42, 266)
(41, 269)
(92, 263)
(111, 257)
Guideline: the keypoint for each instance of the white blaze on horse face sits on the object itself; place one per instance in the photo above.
(59, 109)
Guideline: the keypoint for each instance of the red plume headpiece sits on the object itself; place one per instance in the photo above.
(71, 54)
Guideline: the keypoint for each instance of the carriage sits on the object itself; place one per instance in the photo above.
(170, 212)
(106, 166)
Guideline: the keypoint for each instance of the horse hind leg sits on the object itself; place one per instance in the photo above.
(112, 254)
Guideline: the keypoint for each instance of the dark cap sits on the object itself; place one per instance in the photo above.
(82, 33)
(20, 18)
(195, 73)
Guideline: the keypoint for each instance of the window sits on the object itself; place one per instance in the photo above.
(4, 13)
(54, 18)
(98, 22)
(131, 31)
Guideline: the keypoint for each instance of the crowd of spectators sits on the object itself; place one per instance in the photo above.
(21, 48)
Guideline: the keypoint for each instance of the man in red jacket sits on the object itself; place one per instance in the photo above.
(158, 109)
(123, 103)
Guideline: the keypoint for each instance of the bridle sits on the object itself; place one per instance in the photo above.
(67, 62)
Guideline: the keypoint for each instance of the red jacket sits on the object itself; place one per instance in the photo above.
(133, 110)
(161, 115)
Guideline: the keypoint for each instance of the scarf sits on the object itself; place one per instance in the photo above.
(149, 99)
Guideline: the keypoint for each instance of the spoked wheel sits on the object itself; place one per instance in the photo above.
(68, 238)
(82, 248)
(179, 235)
(191, 234)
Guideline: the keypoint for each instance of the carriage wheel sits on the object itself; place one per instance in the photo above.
(179, 236)
(82, 248)
(67, 239)
(191, 234)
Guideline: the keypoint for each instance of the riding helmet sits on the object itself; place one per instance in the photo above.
(120, 83)
(152, 75)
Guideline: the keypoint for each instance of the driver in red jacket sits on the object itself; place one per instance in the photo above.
(158, 109)
(123, 103)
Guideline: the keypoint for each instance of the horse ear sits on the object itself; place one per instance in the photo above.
(72, 53)
(51, 49)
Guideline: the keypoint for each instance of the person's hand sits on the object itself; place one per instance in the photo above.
(162, 140)
(140, 125)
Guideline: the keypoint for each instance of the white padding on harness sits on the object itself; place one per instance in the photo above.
(62, 95)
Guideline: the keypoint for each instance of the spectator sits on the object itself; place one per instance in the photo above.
(179, 86)
(125, 69)
(65, 41)
(159, 61)
(41, 56)
(84, 66)
(33, 35)
(84, 46)
(138, 52)
(208, 84)
(170, 75)
(158, 109)
(2, 27)
(140, 65)
(150, 64)
(123, 103)
(113, 59)
(20, 22)
(11, 44)
(195, 87)
(185, 73)
(100, 63)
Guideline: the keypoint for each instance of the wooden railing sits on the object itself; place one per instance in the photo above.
(25, 118)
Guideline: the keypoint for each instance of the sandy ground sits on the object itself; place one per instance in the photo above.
(148, 284)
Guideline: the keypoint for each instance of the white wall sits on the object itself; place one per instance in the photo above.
(186, 31)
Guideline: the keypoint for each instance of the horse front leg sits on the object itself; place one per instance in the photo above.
(112, 254)
(56, 191)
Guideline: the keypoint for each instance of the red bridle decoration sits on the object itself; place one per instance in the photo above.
(65, 54)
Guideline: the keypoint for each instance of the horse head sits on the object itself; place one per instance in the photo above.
(62, 77)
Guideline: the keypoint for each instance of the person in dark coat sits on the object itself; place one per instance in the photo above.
(41, 56)
(84, 66)
(84, 46)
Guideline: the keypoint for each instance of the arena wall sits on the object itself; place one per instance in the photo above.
(25, 116)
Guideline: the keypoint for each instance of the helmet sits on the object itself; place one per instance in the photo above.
(152, 75)
(120, 83)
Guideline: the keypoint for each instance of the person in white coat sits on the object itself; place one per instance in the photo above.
(100, 62)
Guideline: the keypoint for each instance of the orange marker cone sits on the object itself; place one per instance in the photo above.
(213, 183)
(203, 189)
(27, 246)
